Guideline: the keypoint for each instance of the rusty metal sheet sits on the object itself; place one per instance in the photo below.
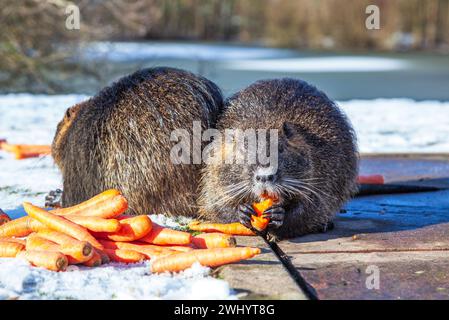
(420, 170)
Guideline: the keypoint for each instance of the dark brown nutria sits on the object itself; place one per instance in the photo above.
(120, 139)
(317, 160)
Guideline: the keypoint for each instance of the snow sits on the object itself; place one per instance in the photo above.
(320, 64)
(382, 125)
(137, 51)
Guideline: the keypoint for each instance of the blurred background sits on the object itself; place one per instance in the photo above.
(393, 81)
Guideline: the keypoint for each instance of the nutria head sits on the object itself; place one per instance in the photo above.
(59, 139)
(283, 172)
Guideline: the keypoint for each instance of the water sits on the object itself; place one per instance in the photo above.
(342, 76)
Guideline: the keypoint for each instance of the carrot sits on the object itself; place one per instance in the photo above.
(23, 151)
(149, 251)
(10, 249)
(258, 221)
(234, 228)
(61, 224)
(165, 236)
(110, 206)
(213, 240)
(95, 223)
(180, 248)
(16, 228)
(16, 240)
(130, 229)
(124, 255)
(4, 218)
(206, 257)
(77, 251)
(95, 261)
(54, 261)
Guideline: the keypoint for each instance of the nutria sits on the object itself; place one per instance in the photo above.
(316, 167)
(120, 139)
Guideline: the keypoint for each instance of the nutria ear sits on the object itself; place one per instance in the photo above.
(289, 129)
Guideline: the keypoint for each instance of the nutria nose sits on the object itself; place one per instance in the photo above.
(265, 178)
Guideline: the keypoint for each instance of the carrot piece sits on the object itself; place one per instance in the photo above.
(61, 224)
(76, 251)
(213, 240)
(4, 218)
(95, 261)
(54, 261)
(124, 255)
(165, 236)
(10, 249)
(235, 228)
(23, 151)
(206, 257)
(258, 221)
(16, 228)
(149, 251)
(371, 179)
(131, 229)
(95, 224)
(110, 206)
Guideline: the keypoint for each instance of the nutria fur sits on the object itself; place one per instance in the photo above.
(317, 166)
(120, 139)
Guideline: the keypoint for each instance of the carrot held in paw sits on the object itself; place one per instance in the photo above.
(131, 229)
(206, 257)
(124, 255)
(61, 224)
(235, 228)
(95, 224)
(165, 236)
(54, 261)
(213, 240)
(10, 249)
(259, 222)
(108, 204)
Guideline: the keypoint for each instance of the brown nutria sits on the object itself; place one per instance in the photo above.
(316, 160)
(120, 139)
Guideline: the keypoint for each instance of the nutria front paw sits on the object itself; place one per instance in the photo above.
(245, 212)
(276, 214)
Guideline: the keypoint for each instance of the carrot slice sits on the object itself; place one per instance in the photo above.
(130, 229)
(54, 261)
(10, 249)
(214, 240)
(235, 228)
(206, 257)
(61, 224)
(165, 236)
(95, 224)
(124, 255)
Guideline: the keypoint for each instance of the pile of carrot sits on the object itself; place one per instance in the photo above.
(96, 231)
(24, 151)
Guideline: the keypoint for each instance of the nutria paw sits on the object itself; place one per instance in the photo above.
(245, 212)
(276, 214)
(54, 199)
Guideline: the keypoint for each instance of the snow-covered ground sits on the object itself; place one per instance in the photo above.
(382, 125)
